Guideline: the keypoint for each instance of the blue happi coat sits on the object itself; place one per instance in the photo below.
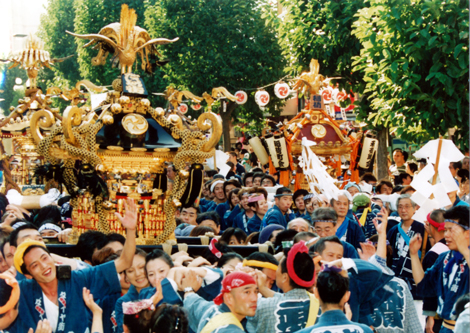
(275, 216)
(254, 224)
(74, 316)
(350, 231)
(448, 279)
(335, 321)
(220, 210)
(132, 295)
(401, 261)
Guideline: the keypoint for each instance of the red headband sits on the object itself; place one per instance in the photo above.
(439, 226)
(297, 248)
(213, 249)
(232, 281)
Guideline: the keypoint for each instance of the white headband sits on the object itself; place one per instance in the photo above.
(214, 184)
(50, 226)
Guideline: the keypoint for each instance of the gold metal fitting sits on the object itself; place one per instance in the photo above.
(184, 173)
(116, 108)
(176, 203)
(124, 100)
(108, 119)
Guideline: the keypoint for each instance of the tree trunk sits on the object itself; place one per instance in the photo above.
(382, 153)
(226, 122)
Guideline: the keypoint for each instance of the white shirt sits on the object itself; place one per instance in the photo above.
(52, 312)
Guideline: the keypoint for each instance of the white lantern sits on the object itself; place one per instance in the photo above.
(241, 96)
(262, 98)
(259, 150)
(281, 90)
(183, 108)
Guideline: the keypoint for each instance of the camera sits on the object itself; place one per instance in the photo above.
(64, 272)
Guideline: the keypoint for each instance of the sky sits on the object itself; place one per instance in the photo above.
(18, 17)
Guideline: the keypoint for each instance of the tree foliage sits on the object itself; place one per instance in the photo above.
(7, 84)
(222, 43)
(319, 29)
(414, 59)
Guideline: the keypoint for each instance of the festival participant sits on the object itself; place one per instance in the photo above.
(397, 312)
(233, 200)
(310, 204)
(268, 181)
(228, 262)
(332, 290)
(228, 312)
(189, 216)
(368, 178)
(299, 202)
(246, 212)
(9, 297)
(465, 164)
(115, 242)
(233, 236)
(88, 243)
(454, 198)
(265, 263)
(454, 167)
(399, 237)
(248, 179)
(280, 213)
(300, 225)
(47, 295)
(399, 157)
(352, 188)
(346, 229)
(225, 206)
(435, 226)
(384, 187)
(217, 190)
(295, 308)
(259, 205)
(448, 278)
(49, 229)
(240, 170)
(365, 212)
(324, 224)
(367, 281)
(207, 195)
(257, 178)
(269, 233)
(209, 219)
(166, 318)
(405, 179)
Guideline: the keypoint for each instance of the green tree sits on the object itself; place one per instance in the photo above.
(319, 29)
(59, 17)
(414, 59)
(222, 43)
(7, 84)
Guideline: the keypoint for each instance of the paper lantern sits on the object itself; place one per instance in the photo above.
(368, 150)
(272, 149)
(259, 150)
(196, 107)
(281, 90)
(183, 108)
(262, 98)
(242, 97)
(280, 146)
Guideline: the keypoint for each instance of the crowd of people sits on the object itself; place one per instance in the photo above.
(356, 263)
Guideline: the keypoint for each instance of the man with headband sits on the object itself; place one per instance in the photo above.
(47, 295)
(259, 205)
(296, 308)
(280, 213)
(264, 262)
(9, 296)
(49, 230)
(435, 227)
(332, 289)
(448, 278)
(236, 301)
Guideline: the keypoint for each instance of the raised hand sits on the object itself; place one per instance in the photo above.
(382, 216)
(415, 244)
(158, 296)
(191, 279)
(44, 326)
(90, 303)
(129, 221)
(366, 251)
